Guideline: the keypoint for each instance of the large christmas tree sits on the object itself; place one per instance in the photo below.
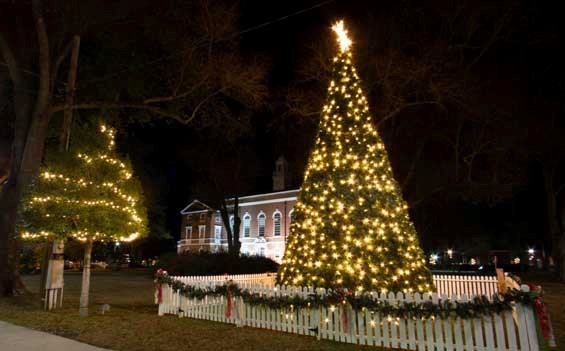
(351, 226)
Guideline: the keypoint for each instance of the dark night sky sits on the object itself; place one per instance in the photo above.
(158, 152)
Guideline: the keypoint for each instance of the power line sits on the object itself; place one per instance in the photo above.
(203, 42)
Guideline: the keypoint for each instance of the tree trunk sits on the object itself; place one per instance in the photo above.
(27, 151)
(226, 219)
(64, 136)
(84, 292)
(9, 198)
(64, 139)
(236, 226)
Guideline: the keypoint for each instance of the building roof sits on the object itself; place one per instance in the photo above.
(196, 206)
(265, 198)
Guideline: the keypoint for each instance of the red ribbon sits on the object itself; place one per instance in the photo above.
(344, 314)
(229, 306)
(542, 313)
(543, 318)
(344, 318)
(159, 294)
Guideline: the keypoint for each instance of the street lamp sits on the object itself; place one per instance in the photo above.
(531, 251)
(450, 253)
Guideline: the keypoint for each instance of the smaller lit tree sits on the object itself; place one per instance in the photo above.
(88, 194)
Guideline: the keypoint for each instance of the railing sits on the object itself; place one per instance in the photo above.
(508, 330)
(202, 241)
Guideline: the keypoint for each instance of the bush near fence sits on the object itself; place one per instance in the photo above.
(206, 263)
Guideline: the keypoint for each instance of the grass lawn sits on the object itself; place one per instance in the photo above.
(132, 322)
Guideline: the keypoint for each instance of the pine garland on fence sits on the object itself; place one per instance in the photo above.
(477, 307)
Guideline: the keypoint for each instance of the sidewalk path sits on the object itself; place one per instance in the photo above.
(16, 338)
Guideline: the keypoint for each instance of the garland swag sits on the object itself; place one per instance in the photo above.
(477, 307)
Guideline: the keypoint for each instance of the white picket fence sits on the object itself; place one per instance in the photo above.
(445, 284)
(267, 279)
(469, 285)
(510, 330)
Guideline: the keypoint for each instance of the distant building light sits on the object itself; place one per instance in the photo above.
(531, 251)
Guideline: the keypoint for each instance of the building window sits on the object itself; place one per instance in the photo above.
(218, 218)
(291, 215)
(261, 223)
(188, 232)
(246, 225)
(201, 231)
(217, 234)
(262, 251)
(277, 223)
(232, 221)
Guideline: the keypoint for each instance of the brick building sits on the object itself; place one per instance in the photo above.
(265, 221)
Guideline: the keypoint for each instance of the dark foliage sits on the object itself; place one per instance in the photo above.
(206, 263)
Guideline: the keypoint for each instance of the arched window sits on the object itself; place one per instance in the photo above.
(261, 223)
(246, 225)
(277, 223)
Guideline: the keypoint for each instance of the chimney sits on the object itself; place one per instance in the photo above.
(280, 175)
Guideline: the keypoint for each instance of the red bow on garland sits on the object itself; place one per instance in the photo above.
(542, 313)
(344, 309)
(229, 299)
(158, 286)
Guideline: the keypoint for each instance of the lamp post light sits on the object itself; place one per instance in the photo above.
(450, 253)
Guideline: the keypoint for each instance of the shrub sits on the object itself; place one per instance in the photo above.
(205, 263)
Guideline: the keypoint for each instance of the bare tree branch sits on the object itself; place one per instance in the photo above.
(11, 62)
(175, 95)
(403, 107)
(116, 105)
(44, 67)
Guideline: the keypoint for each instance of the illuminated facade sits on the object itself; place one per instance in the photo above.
(265, 221)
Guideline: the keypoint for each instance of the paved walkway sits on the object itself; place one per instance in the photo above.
(16, 338)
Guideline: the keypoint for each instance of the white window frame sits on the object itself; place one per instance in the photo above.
(262, 251)
(277, 212)
(246, 226)
(188, 232)
(261, 214)
(290, 214)
(217, 234)
(201, 232)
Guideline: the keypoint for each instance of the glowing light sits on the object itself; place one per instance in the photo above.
(342, 38)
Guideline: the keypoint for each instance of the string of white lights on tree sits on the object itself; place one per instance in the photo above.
(89, 196)
(351, 226)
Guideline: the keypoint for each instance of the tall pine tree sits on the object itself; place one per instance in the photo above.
(351, 226)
